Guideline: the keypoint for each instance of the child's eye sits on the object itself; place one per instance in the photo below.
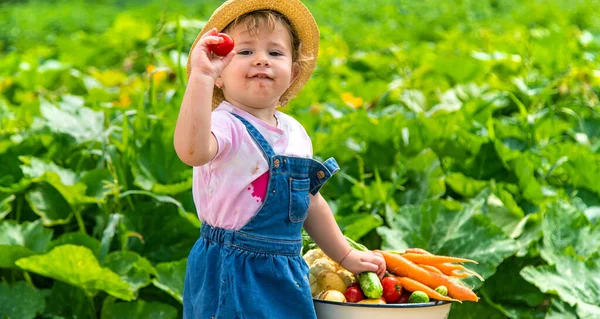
(244, 52)
(275, 53)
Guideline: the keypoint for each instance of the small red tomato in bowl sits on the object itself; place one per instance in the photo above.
(223, 48)
(354, 294)
(392, 290)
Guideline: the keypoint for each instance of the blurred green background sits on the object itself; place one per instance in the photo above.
(468, 128)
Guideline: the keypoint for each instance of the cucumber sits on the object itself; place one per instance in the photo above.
(370, 284)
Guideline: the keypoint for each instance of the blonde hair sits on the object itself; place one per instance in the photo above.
(253, 22)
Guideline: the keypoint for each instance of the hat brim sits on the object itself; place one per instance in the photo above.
(295, 11)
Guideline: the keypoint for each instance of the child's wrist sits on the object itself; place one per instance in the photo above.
(346, 255)
(202, 76)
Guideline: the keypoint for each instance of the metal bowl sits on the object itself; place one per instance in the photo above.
(335, 310)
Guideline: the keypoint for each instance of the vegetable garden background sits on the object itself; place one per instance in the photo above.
(468, 128)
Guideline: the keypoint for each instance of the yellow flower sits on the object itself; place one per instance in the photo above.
(157, 76)
(351, 100)
(124, 99)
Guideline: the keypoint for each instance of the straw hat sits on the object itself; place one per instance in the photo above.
(300, 18)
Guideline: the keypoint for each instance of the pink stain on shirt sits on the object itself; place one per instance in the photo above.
(259, 186)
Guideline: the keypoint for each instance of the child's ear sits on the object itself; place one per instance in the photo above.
(295, 72)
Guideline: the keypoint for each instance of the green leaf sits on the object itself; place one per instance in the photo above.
(5, 204)
(21, 240)
(68, 301)
(564, 227)
(530, 187)
(426, 178)
(79, 267)
(474, 310)
(138, 310)
(510, 217)
(49, 204)
(78, 239)
(465, 233)
(561, 310)
(95, 182)
(506, 286)
(73, 119)
(162, 234)
(170, 278)
(191, 217)
(131, 267)
(20, 301)
(575, 281)
(465, 186)
(356, 226)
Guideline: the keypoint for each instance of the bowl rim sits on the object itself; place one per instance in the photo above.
(436, 303)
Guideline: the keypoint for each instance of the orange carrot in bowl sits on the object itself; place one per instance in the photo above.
(431, 269)
(400, 266)
(451, 270)
(417, 251)
(413, 285)
(435, 259)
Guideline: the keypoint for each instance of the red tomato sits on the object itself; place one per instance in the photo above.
(354, 294)
(391, 289)
(223, 48)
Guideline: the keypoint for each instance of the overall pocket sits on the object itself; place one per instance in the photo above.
(299, 199)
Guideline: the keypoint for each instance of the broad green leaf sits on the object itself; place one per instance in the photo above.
(474, 310)
(530, 187)
(575, 281)
(49, 204)
(465, 233)
(170, 276)
(465, 186)
(507, 287)
(20, 301)
(78, 239)
(68, 301)
(564, 227)
(426, 178)
(131, 267)
(192, 218)
(79, 267)
(73, 119)
(34, 167)
(510, 220)
(21, 240)
(356, 226)
(138, 310)
(5, 204)
(162, 234)
(95, 181)
(561, 310)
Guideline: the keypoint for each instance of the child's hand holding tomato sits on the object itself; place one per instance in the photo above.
(202, 59)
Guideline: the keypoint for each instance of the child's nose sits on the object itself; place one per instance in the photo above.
(261, 60)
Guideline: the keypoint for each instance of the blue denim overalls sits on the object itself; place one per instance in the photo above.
(258, 271)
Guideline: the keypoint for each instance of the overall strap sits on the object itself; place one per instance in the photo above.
(260, 140)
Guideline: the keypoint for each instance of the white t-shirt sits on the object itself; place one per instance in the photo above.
(229, 190)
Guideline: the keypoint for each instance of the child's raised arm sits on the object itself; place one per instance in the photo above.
(194, 143)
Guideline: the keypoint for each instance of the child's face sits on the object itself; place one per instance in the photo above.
(262, 70)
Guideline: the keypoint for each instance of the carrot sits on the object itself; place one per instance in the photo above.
(431, 269)
(413, 285)
(417, 251)
(435, 259)
(400, 266)
(451, 270)
(448, 268)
